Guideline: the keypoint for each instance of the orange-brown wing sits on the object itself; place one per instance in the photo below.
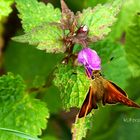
(118, 88)
(89, 104)
(115, 94)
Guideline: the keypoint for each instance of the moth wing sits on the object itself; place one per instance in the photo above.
(115, 94)
(88, 104)
(118, 88)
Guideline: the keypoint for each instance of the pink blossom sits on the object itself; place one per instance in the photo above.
(90, 59)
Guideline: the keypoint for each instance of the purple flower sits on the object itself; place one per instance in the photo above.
(90, 59)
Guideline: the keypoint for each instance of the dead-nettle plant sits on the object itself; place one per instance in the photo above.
(63, 31)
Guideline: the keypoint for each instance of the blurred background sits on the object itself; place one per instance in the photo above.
(110, 122)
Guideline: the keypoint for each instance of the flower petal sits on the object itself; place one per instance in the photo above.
(90, 59)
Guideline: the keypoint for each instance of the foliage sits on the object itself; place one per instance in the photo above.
(5, 8)
(40, 29)
(58, 80)
(73, 92)
(18, 109)
(48, 35)
(29, 17)
(128, 10)
(18, 133)
(80, 127)
(99, 19)
(133, 45)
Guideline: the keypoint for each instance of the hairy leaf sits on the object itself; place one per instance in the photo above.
(41, 25)
(5, 8)
(133, 45)
(47, 37)
(34, 13)
(73, 85)
(19, 110)
(99, 19)
(80, 127)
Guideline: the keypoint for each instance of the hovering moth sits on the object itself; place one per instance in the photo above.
(100, 90)
(105, 91)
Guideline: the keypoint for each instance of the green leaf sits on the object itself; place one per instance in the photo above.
(47, 37)
(133, 45)
(117, 69)
(18, 133)
(131, 88)
(40, 23)
(49, 137)
(80, 127)
(73, 85)
(99, 19)
(34, 13)
(129, 8)
(5, 8)
(19, 110)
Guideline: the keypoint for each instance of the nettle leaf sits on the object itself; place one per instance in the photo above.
(114, 62)
(132, 46)
(80, 127)
(41, 25)
(99, 19)
(47, 37)
(19, 110)
(73, 85)
(5, 8)
(34, 13)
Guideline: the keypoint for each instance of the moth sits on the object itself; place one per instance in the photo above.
(102, 90)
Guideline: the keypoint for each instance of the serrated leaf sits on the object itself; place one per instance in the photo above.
(5, 8)
(47, 37)
(99, 19)
(34, 13)
(19, 110)
(117, 69)
(80, 127)
(73, 85)
(40, 23)
(133, 46)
